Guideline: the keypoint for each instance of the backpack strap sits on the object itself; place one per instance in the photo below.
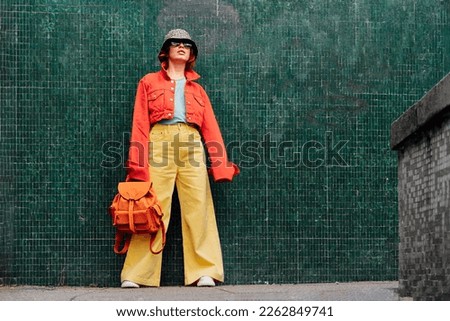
(121, 236)
(130, 215)
(118, 240)
(153, 237)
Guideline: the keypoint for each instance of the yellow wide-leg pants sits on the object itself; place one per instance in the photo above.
(177, 158)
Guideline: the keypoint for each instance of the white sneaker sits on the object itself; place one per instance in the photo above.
(129, 284)
(206, 281)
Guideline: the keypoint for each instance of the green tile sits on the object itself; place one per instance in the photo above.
(289, 82)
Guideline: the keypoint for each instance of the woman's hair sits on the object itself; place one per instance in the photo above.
(163, 57)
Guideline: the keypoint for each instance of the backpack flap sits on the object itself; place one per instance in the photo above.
(133, 190)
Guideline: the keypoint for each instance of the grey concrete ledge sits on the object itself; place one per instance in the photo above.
(433, 103)
(355, 291)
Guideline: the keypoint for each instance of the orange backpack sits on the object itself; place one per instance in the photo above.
(136, 210)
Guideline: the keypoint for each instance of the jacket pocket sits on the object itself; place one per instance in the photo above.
(199, 100)
(156, 99)
(195, 106)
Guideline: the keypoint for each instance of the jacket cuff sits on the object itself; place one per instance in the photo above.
(224, 173)
(137, 174)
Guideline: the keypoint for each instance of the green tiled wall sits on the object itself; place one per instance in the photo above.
(305, 92)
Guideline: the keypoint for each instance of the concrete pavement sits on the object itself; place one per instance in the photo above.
(355, 291)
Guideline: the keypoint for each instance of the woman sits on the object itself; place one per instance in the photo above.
(174, 114)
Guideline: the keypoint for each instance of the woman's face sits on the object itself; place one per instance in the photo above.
(179, 52)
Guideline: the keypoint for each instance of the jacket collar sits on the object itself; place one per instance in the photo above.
(189, 74)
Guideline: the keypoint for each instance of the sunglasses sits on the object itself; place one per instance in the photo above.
(177, 43)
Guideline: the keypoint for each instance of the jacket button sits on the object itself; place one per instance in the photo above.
(169, 114)
(171, 99)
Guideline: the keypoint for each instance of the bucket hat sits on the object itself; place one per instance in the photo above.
(179, 34)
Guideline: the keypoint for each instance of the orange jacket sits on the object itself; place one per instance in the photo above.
(154, 102)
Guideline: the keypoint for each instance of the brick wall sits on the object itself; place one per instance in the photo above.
(422, 138)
